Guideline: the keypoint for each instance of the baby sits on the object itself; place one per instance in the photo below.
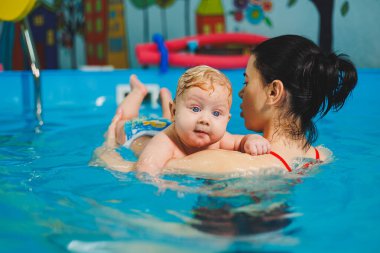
(198, 117)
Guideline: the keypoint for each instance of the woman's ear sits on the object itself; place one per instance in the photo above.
(276, 92)
(172, 109)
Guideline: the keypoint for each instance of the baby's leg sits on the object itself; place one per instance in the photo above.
(130, 109)
(130, 106)
(166, 98)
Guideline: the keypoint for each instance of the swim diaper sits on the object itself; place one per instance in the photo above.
(144, 126)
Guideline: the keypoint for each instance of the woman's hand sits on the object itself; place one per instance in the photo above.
(110, 135)
(106, 155)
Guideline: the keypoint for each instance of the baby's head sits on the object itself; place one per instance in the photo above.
(205, 78)
(201, 109)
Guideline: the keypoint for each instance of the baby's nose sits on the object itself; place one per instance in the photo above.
(204, 120)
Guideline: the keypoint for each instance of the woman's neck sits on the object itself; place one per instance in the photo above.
(282, 143)
(280, 139)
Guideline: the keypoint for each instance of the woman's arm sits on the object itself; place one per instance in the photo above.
(111, 159)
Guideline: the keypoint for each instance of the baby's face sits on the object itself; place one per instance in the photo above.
(201, 116)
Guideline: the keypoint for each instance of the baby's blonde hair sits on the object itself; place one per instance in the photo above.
(203, 77)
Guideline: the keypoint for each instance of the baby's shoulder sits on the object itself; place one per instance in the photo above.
(165, 140)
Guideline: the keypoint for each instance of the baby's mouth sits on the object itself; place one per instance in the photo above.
(200, 131)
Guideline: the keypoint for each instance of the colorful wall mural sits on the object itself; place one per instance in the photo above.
(70, 26)
(210, 17)
(95, 15)
(73, 33)
(254, 12)
(325, 10)
(11, 49)
(117, 55)
(43, 22)
(105, 38)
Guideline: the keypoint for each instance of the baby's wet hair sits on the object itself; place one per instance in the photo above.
(205, 78)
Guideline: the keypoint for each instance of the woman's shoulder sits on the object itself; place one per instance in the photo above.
(227, 162)
(326, 155)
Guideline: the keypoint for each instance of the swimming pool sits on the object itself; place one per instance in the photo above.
(51, 200)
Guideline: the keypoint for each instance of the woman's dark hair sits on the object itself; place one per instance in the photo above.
(316, 81)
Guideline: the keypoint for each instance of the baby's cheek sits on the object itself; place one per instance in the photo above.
(221, 129)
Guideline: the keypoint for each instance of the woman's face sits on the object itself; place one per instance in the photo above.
(253, 107)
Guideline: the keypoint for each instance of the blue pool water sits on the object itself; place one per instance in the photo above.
(51, 200)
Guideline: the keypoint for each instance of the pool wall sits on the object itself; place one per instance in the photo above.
(74, 88)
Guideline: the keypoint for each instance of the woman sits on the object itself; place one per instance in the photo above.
(288, 82)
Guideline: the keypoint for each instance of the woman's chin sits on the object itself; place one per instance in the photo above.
(251, 128)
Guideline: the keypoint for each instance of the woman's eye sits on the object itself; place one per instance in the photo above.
(195, 109)
(216, 113)
(245, 83)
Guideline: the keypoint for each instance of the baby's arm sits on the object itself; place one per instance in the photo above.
(155, 155)
(252, 144)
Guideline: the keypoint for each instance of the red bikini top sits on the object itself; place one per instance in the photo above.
(306, 165)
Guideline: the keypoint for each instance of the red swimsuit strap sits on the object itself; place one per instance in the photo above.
(282, 160)
(316, 154)
(286, 164)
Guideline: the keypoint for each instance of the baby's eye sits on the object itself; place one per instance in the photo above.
(196, 109)
(216, 113)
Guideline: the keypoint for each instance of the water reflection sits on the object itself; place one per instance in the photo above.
(241, 206)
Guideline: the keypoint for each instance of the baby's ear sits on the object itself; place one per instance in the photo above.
(172, 109)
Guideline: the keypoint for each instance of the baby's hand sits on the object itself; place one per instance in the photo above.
(256, 145)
